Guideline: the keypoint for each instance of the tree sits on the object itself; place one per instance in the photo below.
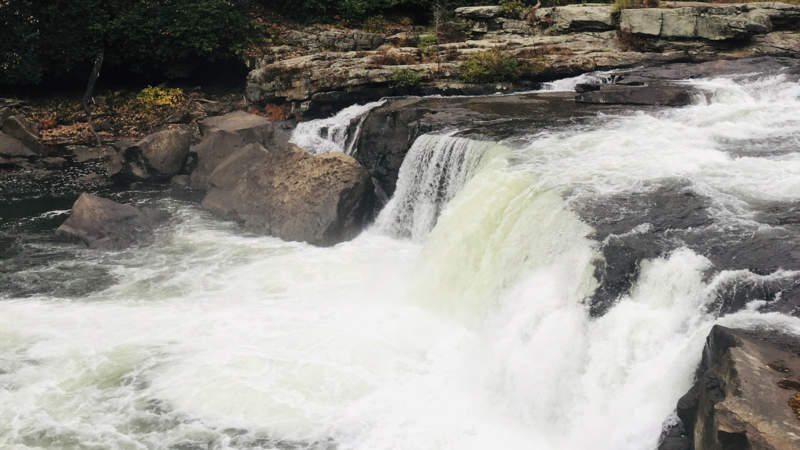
(62, 38)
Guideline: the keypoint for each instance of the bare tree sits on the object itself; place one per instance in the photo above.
(87, 95)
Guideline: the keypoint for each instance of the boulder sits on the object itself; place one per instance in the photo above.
(158, 156)
(10, 146)
(224, 135)
(18, 128)
(293, 195)
(576, 18)
(107, 225)
(18, 137)
(747, 392)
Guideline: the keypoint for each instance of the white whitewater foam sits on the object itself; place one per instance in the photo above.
(333, 134)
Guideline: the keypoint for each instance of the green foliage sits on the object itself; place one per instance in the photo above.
(427, 44)
(512, 8)
(56, 38)
(490, 66)
(406, 78)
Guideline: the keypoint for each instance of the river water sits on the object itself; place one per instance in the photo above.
(459, 320)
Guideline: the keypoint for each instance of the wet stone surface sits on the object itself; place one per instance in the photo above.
(633, 227)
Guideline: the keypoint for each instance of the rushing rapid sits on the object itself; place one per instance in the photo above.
(460, 320)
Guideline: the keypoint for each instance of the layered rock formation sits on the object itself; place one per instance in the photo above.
(558, 42)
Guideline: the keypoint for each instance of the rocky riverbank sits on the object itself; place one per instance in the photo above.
(338, 69)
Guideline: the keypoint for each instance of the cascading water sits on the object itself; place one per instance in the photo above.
(338, 133)
(433, 171)
(475, 333)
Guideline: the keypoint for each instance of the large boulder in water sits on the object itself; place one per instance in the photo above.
(747, 392)
(159, 155)
(224, 135)
(293, 195)
(107, 225)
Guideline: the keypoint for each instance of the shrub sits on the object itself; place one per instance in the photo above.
(512, 8)
(160, 96)
(427, 44)
(392, 57)
(406, 78)
(490, 66)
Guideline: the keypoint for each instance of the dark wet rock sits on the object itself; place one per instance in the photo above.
(224, 135)
(634, 227)
(781, 293)
(675, 438)
(107, 225)
(293, 195)
(158, 156)
(740, 398)
(655, 94)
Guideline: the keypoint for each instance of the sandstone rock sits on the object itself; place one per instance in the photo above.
(743, 391)
(479, 12)
(293, 195)
(339, 40)
(158, 156)
(107, 225)
(576, 18)
(224, 135)
(713, 23)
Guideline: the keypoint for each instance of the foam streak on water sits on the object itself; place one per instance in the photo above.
(463, 327)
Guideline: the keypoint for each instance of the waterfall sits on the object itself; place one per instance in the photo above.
(461, 320)
(338, 133)
(434, 170)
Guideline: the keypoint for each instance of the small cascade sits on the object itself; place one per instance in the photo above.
(338, 133)
(435, 169)
(568, 84)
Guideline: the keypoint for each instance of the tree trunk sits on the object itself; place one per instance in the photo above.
(87, 96)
